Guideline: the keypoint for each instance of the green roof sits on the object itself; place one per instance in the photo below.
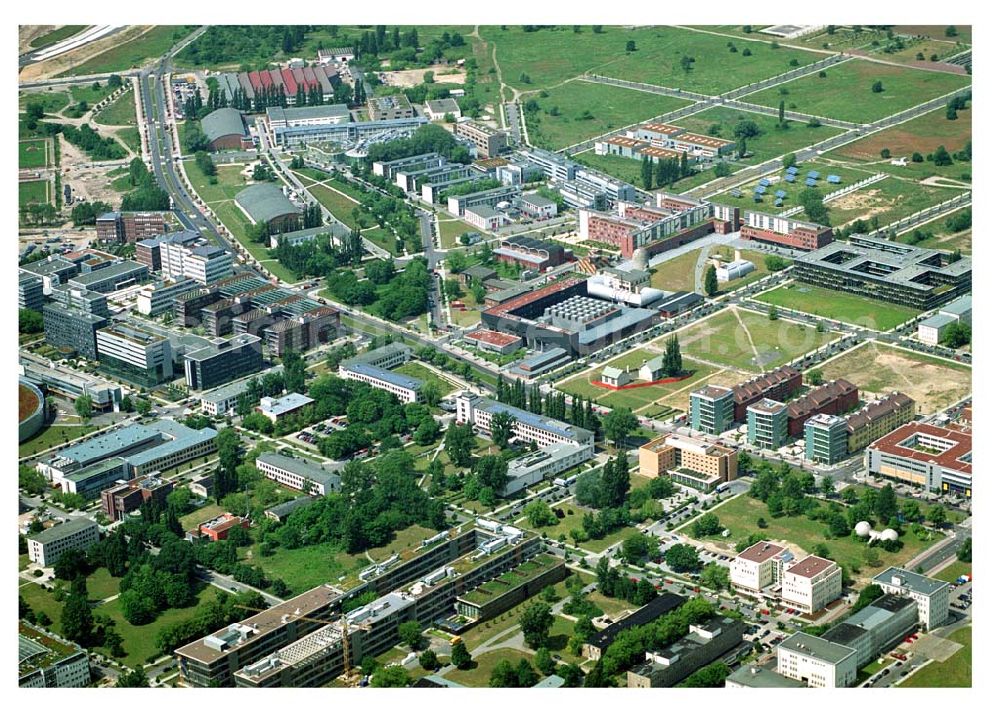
(265, 202)
(222, 122)
(522, 574)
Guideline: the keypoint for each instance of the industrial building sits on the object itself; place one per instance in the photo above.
(930, 595)
(703, 644)
(688, 461)
(924, 455)
(46, 547)
(886, 270)
(294, 472)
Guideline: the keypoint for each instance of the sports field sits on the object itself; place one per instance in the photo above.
(556, 54)
(933, 383)
(584, 109)
(792, 190)
(749, 341)
(770, 143)
(842, 306)
(740, 516)
(956, 671)
(33, 154)
(846, 92)
(889, 199)
(33, 192)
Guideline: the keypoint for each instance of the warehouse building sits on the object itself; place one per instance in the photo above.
(226, 130)
(924, 455)
(886, 270)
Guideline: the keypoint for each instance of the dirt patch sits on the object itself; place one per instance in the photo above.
(89, 182)
(415, 77)
(27, 403)
(870, 201)
(64, 62)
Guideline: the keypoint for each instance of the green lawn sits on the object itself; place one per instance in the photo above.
(191, 520)
(338, 204)
(954, 672)
(51, 436)
(451, 230)
(56, 35)
(953, 571)
(676, 273)
(553, 55)
(89, 93)
(723, 339)
(121, 112)
(633, 398)
(417, 370)
(842, 306)
(568, 523)
(32, 154)
(889, 199)
(50, 100)
(623, 168)
(479, 676)
(792, 190)
(383, 238)
(740, 516)
(228, 181)
(770, 143)
(587, 109)
(943, 238)
(35, 191)
(130, 136)
(846, 92)
(133, 53)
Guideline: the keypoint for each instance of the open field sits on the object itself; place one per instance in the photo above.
(130, 136)
(35, 191)
(623, 168)
(889, 199)
(676, 273)
(942, 237)
(338, 204)
(417, 370)
(953, 571)
(585, 109)
(954, 672)
(933, 383)
(51, 436)
(569, 523)
(33, 154)
(555, 54)
(121, 112)
(749, 341)
(56, 35)
(770, 143)
(479, 676)
(90, 93)
(740, 516)
(842, 306)
(133, 53)
(52, 101)
(846, 92)
(229, 181)
(450, 230)
(963, 33)
(768, 204)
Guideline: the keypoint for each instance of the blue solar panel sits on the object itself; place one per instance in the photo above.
(778, 202)
(759, 190)
(813, 174)
(781, 193)
(764, 183)
(833, 179)
(757, 199)
(735, 192)
(792, 170)
(789, 178)
(810, 182)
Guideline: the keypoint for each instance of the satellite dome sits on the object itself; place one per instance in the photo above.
(862, 529)
(640, 258)
(890, 534)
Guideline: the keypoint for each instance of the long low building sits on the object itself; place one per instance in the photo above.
(299, 474)
(528, 427)
(703, 644)
(531, 468)
(45, 548)
(47, 660)
(927, 456)
(664, 603)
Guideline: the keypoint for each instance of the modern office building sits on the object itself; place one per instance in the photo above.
(223, 362)
(886, 270)
(817, 661)
(876, 628)
(294, 472)
(811, 584)
(931, 595)
(488, 197)
(154, 300)
(711, 409)
(531, 468)
(930, 330)
(404, 387)
(826, 439)
(489, 142)
(53, 270)
(833, 398)
(135, 355)
(46, 547)
(121, 499)
(73, 297)
(924, 455)
(205, 264)
(112, 278)
(767, 424)
(758, 567)
(703, 644)
(130, 226)
(91, 480)
(72, 330)
(537, 206)
(531, 253)
(877, 419)
(70, 383)
(688, 461)
(30, 292)
(306, 116)
(47, 660)
(657, 229)
(394, 107)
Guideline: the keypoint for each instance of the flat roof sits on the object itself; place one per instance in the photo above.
(810, 566)
(816, 647)
(303, 467)
(917, 583)
(286, 403)
(712, 392)
(662, 604)
(384, 375)
(759, 552)
(960, 445)
(497, 338)
(63, 530)
(755, 676)
(123, 268)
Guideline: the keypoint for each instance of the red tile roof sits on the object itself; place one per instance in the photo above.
(760, 552)
(810, 566)
(949, 459)
(497, 338)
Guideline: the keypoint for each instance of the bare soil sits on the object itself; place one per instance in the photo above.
(415, 77)
(64, 62)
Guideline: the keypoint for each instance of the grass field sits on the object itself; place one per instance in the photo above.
(56, 35)
(450, 230)
(770, 143)
(229, 181)
(89, 93)
(587, 109)
(33, 154)
(417, 370)
(131, 54)
(933, 383)
(922, 134)
(943, 238)
(954, 672)
(846, 92)
(190, 521)
(749, 341)
(130, 136)
(676, 273)
(889, 199)
(768, 205)
(569, 523)
(51, 436)
(121, 112)
(740, 516)
(842, 306)
(479, 676)
(963, 33)
(35, 191)
(383, 238)
(338, 204)
(553, 55)
(50, 100)
(953, 571)
(624, 168)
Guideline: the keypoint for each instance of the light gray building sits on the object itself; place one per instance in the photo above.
(293, 472)
(47, 547)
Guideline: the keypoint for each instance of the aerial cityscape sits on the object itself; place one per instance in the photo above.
(368, 356)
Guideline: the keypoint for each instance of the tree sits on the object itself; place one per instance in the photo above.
(539, 514)
(390, 676)
(411, 634)
(544, 662)
(956, 334)
(536, 620)
(950, 31)
(705, 525)
(636, 547)
(502, 429)
(618, 424)
(142, 406)
(84, 406)
(133, 678)
(937, 516)
(459, 442)
(29, 321)
(630, 45)
(885, 504)
(429, 660)
(646, 172)
(460, 656)
(788, 160)
(871, 557)
(31, 482)
(682, 558)
(673, 362)
(713, 675)
(76, 617)
(715, 576)
(877, 87)
(772, 313)
(782, 123)
(813, 207)
(827, 485)
(964, 553)
(711, 281)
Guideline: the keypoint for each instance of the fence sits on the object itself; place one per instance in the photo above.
(924, 214)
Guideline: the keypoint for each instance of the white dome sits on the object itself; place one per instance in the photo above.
(889, 534)
(862, 529)
(640, 258)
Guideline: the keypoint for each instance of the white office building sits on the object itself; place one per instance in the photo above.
(811, 584)
(931, 595)
(293, 473)
(47, 547)
(758, 567)
(816, 661)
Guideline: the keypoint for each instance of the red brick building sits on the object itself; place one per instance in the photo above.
(779, 384)
(785, 232)
(132, 226)
(833, 398)
(118, 501)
